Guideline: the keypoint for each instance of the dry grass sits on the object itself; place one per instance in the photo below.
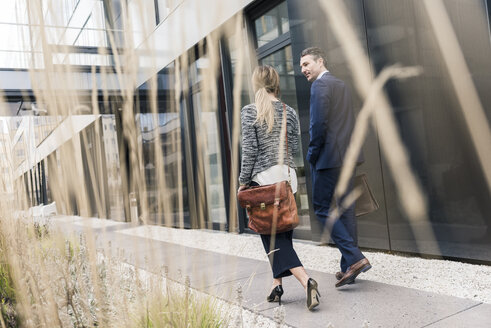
(56, 284)
(63, 283)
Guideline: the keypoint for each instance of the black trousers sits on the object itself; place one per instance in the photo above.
(285, 257)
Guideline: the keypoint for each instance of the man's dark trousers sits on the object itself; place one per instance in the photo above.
(343, 231)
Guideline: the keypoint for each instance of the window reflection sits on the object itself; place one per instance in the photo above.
(235, 45)
(209, 148)
(272, 24)
(114, 182)
(197, 69)
(164, 157)
(162, 130)
(67, 23)
(282, 61)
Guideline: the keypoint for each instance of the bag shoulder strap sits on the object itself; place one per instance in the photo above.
(286, 141)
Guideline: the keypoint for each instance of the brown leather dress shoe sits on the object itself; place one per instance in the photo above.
(339, 275)
(354, 270)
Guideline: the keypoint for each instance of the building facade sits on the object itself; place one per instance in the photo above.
(187, 142)
(427, 112)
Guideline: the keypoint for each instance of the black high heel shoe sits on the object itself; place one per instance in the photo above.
(312, 294)
(275, 295)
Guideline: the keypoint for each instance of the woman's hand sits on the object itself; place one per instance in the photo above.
(242, 187)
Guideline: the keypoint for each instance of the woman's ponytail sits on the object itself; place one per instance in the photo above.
(265, 80)
(265, 109)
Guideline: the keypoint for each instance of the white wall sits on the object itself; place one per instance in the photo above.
(189, 23)
(68, 129)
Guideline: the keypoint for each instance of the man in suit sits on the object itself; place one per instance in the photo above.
(331, 124)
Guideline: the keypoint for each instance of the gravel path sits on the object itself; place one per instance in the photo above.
(438, 276)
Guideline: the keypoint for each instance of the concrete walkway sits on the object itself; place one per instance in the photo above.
(365, 304)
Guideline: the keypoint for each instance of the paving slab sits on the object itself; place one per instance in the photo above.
(202, 267)
(366, 302)
(254, 290)
(478, 316)
(379, 305)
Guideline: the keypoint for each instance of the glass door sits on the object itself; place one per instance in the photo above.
(273, 47)
(163, 142)
(209, 170)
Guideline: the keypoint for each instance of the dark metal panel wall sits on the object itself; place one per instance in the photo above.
(309, 27)
(432, 125)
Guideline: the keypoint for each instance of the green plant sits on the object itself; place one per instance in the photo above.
(178, 306)
(7, 293)
(8, 316)
(40, 230)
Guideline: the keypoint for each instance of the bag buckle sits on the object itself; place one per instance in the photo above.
(263, 206)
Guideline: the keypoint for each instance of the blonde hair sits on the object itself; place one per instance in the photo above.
(265, 80)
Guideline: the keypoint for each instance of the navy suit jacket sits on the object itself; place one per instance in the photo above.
(331, 122)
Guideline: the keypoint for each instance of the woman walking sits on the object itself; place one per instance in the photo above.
(261, 134)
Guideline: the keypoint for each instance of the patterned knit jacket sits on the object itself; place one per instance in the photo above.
(260, 149)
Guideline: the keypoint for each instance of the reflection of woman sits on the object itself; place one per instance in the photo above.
(261, 131)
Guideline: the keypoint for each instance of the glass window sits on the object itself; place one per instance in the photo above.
(196, 70)
(209, 147)
(272, 24)
(208, 141)
(236, 48)
(282, 61)
(114, 183)
(164, 156)
(93, 32)
(164, 8)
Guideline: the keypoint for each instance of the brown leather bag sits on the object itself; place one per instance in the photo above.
(271, 208)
